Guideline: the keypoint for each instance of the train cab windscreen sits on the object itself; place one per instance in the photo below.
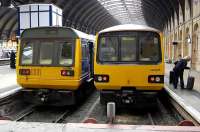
(27, 55)
(47, 52)
(129, 47)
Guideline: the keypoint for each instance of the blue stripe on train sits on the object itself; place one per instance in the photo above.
(85, 67)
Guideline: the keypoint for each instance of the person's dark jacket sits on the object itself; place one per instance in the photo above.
(180, 66)
(12, 60)
(12, 56)
(176, 62)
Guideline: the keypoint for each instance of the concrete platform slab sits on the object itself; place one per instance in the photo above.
(81, 127)
(8, 83)
(188, 99)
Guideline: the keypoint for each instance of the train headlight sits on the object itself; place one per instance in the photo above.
(156, 78)
(24, 71)
(101, 78)
(67, 73)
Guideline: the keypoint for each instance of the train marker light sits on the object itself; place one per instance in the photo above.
(105, 78)
(67, 73)
(63, 73)
(101, 78)
(156, 79)
(152, 79)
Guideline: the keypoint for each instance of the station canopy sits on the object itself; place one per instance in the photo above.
(125, 11)
(91, 16)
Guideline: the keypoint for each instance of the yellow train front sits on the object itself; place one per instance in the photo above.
(54, 65)
(128, 64)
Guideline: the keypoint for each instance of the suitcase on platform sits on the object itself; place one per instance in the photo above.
(190, 82)
(171, 76)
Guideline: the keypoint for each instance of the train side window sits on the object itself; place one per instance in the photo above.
(128, 48)
(27, 53)
(66, 54)
(108, 49)
(46, 53)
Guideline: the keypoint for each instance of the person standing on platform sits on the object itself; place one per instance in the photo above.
(179, 58)
(12, 59)
(179, 70)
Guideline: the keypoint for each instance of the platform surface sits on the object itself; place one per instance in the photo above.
(188, 99)
(80, 127)
(7, 80)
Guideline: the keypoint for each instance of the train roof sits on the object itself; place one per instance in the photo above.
(51, 31)
(83, 35)
(129, 27)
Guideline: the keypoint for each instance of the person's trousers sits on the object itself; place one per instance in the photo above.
(178, 75)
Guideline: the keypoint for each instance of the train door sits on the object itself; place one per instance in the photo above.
(85, 59)
(91, 56)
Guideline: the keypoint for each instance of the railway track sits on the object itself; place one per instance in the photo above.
(42, 114)
(32, 113)
(61, 117)
(182, 113)
(167, 112)
(14, 108)
(161, 114)
(150, 118)
(24, 113)
(10, 102)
